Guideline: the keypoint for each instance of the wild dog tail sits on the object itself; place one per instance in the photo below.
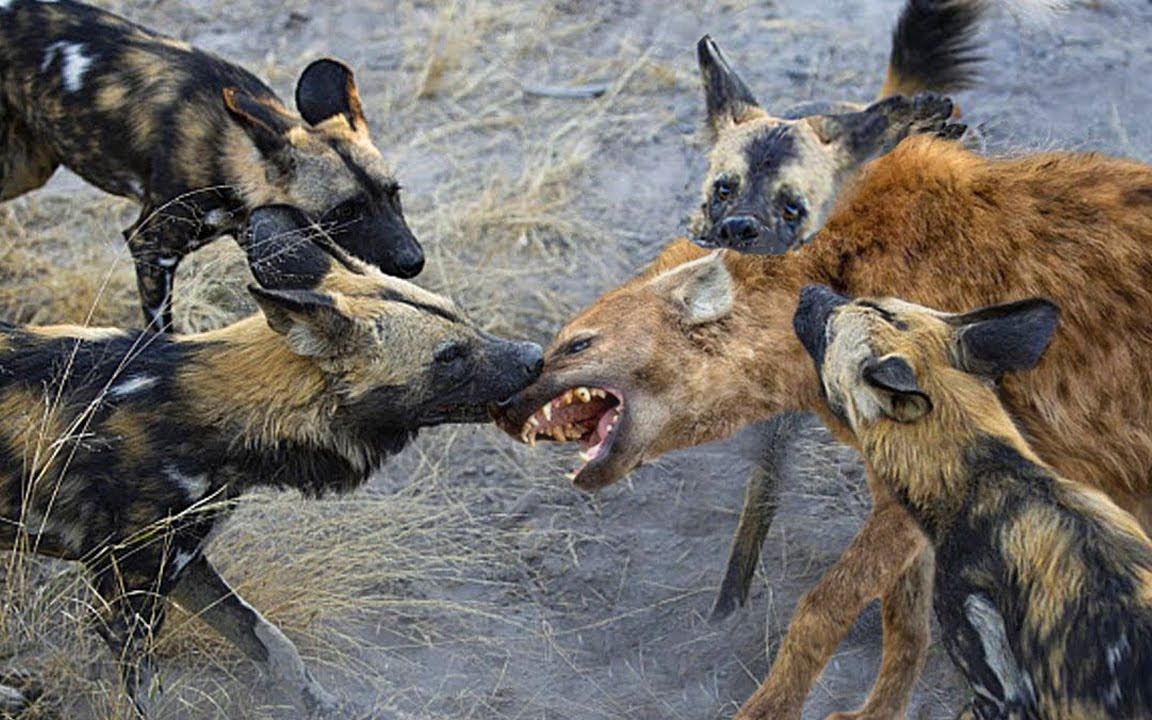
(934, 45)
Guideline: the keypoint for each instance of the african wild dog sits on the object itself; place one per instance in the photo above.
(1043, 586)
(196, 140)
(124, 449)
(700, 344)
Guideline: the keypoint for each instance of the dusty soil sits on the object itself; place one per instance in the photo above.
(469, 580)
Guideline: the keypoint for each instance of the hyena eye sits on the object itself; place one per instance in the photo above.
(449, 353)
(578, 345)
(723, 190)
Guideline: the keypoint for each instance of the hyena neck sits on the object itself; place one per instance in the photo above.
(277, 409)
(931, 464)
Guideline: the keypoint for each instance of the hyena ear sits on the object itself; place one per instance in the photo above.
(878, 128)
(702, 289)
(282, 253)
(727, 98)
(1004, 338)
(310, 321)
(327, 88)
(266, 122)
(896, 387)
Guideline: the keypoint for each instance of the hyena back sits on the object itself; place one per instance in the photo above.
(1043, 586)
(196, 140)
(124, 449)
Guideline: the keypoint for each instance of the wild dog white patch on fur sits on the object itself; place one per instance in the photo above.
(132, 385)
(194, 486)
(5, 4)
(74, 66)
(989, 625)
(180, 561)
(1114, 655)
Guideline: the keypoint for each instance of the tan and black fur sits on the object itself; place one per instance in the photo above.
(773, 179)
(196, 140)
(124, 449)
(1043, 586)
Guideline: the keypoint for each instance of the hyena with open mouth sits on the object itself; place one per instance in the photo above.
(123, 450)
(196, 140)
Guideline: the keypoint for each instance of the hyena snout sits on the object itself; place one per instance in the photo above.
(811, 319)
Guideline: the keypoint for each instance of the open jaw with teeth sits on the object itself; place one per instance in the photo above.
(587, 415)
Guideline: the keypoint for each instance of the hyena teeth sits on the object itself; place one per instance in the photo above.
(532, 439)
(597, 392)
(533, 422)
(571, 476)
(567, 398)
(584, 394)
(585, 456)
(547, 411)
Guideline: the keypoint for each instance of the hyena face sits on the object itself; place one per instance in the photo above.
(328, 167)
(615, 393)
(398, 357)
(888, 359)
(773, 181)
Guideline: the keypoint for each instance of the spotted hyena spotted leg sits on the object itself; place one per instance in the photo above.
(201, 590)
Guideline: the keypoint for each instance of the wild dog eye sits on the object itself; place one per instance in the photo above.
(723, 189)
(578, 345)
(345, 211)
(791, 207)
(451, 352)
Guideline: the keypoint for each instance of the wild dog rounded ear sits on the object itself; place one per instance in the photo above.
(727, 98)
(1004, 338)
(899, 393)
(702, 289)
(282, 254)
(326, 88)
(310, 321)
(266, 122)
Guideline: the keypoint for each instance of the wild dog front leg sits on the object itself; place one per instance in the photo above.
(887, 544)
(134, 614)
(155, 269)
(202, 591)
(907, 632)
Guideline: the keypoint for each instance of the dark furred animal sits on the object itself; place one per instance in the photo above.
(1043, 586)
(196, 140)
(124, 449)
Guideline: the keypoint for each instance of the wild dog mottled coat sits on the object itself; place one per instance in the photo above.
(1043, 586)
(196, 140)
(124, 449)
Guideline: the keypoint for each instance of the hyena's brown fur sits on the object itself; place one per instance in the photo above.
(124, 449)
(1043, 586)
(701, 344)
(197, 141)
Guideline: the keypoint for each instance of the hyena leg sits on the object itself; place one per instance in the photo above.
(887, 544)
(907, 631)
(202, 591)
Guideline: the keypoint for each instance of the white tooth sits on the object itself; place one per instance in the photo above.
(585, 456)
(532, 439)
(571, 476)
(597, 392)
(524, 435)
(547, 410)
(608, 430)
(533, 421)
(583, 394)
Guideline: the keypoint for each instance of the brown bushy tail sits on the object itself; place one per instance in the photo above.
(934, 47)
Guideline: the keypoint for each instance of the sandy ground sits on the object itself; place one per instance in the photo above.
(468, 580)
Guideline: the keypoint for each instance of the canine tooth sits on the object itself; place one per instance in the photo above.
(608, 430)
(584, 394)
(571, 476)
(533, 421)
(585, 456)
(597, 392)
(524, 435)
(568, 397)
(532, 440)
(547, 410)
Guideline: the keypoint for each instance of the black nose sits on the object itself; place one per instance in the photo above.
(531, 359)
(811, 319)
(738, 230)
(409, 267)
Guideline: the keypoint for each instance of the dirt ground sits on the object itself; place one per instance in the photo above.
(469, 580)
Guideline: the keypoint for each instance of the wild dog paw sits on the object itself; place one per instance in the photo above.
(322, 704)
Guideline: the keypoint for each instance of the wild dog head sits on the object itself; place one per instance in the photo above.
(625, 395)
(327, 166)
(772, 182)
(395, 356)
(890, 361)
